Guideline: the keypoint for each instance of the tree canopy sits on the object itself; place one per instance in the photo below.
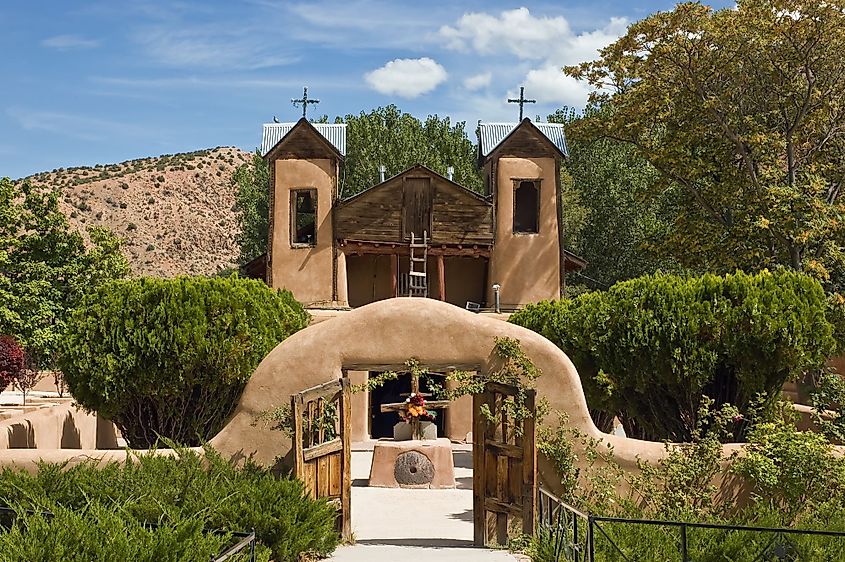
(612, 217)
(45, 266)
(388, 136)
(742, 111)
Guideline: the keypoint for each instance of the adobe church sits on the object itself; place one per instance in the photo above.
(418, 233)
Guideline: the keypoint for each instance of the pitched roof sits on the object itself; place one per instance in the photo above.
(274, 132)
(416, 168)
(491, 135)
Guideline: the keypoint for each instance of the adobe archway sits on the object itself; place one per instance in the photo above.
(390, 332)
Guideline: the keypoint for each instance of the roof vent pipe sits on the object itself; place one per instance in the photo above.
(450, 172)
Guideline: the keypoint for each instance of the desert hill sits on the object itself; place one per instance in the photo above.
(175, 212)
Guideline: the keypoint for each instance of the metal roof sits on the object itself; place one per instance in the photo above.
(274, 132)
(490, 135)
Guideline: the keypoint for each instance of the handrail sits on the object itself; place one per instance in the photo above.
(247, 540)
(561, 520)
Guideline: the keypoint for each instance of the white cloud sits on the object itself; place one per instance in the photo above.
(407, 78)
(526, 36)
(68, 42)
(478, 81)
(551, 85)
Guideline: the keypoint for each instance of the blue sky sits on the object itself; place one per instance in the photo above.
(106, 81)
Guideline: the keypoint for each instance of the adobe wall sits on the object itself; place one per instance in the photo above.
(58, 427)
(527, 266)
(390, 332)
(306, 271)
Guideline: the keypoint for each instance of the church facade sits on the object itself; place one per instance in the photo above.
(417, 233)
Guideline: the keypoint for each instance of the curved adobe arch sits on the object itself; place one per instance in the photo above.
(390, 332)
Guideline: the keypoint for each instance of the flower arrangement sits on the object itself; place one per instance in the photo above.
(415, 409)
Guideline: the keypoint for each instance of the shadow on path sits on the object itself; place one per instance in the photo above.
(423, 542)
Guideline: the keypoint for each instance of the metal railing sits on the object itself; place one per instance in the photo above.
(574, 535)
(246, 539)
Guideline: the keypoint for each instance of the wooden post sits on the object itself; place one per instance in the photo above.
(441, 276)
(394, 272)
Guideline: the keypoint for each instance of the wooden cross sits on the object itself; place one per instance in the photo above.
(304, 101)
(416, 429)
(521, 101)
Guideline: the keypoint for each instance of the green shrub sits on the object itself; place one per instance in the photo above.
(189, 490)
(795, 478)
(649, 349)
(170, 357)
(97, 533)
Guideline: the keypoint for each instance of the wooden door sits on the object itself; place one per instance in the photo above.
(321, 446)
(416, 208)
(504, 466)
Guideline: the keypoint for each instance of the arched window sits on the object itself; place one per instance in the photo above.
(526, 208)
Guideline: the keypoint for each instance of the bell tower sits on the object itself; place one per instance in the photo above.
(521, 164)
(304, 165)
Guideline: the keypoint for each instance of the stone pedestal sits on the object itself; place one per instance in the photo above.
(404, 431)
(413, 464)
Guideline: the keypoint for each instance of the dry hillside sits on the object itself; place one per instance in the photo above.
(175, 212)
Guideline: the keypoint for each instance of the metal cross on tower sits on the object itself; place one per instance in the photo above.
(521, 101)
(304, 101)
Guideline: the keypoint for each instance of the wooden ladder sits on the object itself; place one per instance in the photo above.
(418, 270)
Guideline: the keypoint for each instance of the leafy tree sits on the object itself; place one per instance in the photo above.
(46, 267)
(385, 136)
(170, 357)
(649, 350)
(251, 182)
(11, 361)
(613, 218)
(742, 111)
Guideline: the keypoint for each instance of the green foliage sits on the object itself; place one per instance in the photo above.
(828, 401)
(792, 472)
(170, 357)
(45, 267)
(795, 478)
(99, 533)
(738, 110)
(649, 349)
(183, 493)
(251, 182)
(387, 136)
(616, 215)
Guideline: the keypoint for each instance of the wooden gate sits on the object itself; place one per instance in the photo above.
(504, 466)
(321, 446)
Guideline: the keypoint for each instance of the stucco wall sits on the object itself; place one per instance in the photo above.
(526, 266)
(58, 427)
(306, 271)
(390, 332)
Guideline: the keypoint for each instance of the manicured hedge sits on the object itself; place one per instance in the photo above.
(170, 357)
(648, 349)
(184, 494)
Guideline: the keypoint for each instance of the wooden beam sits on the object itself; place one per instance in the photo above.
(441, 277)
(322, 449)
(394, 274)
(363, 247)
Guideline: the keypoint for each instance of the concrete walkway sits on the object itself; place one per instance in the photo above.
(421, 525)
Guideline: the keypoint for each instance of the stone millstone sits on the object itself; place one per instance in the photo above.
(413, 469)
